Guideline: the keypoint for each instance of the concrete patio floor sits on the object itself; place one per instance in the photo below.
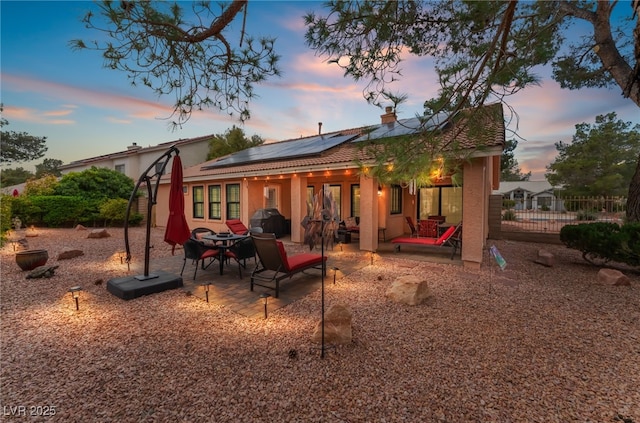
(229, 290)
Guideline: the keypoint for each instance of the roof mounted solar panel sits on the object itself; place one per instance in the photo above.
(282, 150)
(405, 127)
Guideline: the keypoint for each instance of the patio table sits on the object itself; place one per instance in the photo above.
(223, 243)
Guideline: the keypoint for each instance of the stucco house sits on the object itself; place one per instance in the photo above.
(285, 175)
(136, 159)
(531, 195)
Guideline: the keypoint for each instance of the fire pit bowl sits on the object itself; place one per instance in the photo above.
(30, 259)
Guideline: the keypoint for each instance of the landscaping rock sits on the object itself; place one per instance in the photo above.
(409, 289)
(99, 233)
(80, 228)
(42, 272)
(613, 277)
(545, 258)
(337, 326)
(69, 254)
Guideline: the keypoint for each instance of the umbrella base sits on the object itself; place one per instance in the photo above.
(130, 287)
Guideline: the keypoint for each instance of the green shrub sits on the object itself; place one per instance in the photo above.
(508, 204)
(586, 215)
(509, 215)
(115, 211)
(23, 208)
(55, 210)
(58, 210)
(544, 207)
(630, 244)
(604, 241)
(5, 216)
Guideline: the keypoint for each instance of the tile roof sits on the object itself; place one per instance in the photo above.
(135, 149)
(490, 137)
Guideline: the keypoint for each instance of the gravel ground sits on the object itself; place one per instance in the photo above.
(530, 344)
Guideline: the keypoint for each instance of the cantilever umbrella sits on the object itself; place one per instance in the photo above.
(177, 231)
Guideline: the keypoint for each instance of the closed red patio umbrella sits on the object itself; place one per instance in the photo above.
(177, 231)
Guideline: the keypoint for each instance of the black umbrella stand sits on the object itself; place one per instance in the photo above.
(130, 287)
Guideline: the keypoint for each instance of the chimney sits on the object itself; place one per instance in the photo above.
(389, 117)
(319, 128)
(134, 146)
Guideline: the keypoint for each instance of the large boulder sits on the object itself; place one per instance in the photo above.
(337, 326)
(613, 277)
(409, 289)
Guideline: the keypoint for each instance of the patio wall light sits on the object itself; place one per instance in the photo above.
(75, 294)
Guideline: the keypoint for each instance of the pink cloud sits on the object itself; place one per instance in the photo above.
(58, 113)
(35, 116)
(79, 95)
(61, 122)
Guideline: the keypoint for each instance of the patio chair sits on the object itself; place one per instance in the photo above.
(237, 227)
(198, 253)
(199, 233)
(275, 265)
(240, 252)
(414, 231)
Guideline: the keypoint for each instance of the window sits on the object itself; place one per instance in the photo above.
(309, 198)
(396, 199)
(335, 191)
(355, 200)
(233, 201)
(215, 202)
(198, 202)
(544, 202)
(120, 168)
(441, 201)
(271, 194)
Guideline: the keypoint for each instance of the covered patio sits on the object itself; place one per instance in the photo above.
(232, 292)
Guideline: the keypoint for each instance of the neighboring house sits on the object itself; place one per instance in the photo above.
(285, 175)
(9, 190)
(531, 195)
(135, 160)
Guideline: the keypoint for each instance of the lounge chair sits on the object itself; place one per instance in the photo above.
(450, 238)
(275, 265)
(237, 227)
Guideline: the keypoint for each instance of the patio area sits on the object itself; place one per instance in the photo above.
(233, 293)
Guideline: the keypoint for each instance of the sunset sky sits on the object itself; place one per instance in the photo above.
(85, 110)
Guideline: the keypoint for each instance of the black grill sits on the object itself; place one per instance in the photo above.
(270, 220)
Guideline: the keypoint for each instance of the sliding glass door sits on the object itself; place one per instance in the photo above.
(440, 201)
